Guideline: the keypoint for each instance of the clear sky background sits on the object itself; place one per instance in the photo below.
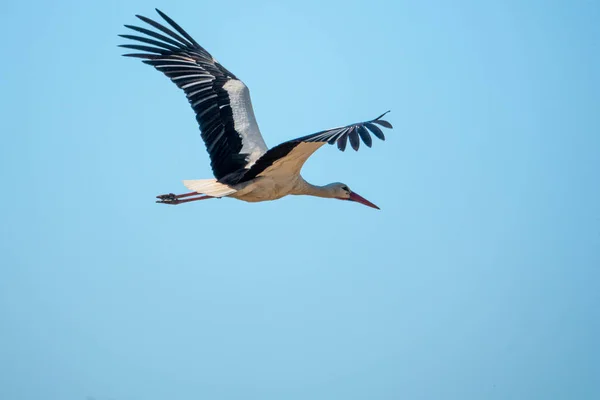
(478, 279)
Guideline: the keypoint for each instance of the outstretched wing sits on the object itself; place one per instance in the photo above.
(220, 100)
(290, 156)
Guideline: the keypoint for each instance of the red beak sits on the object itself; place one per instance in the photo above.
(362, 200)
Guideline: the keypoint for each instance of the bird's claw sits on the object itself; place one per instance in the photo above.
(171, 202)
(167, 197)
(170, 198)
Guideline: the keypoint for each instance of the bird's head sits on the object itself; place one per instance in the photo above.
(341, 191)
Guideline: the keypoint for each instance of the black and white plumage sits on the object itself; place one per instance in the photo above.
(244, 167)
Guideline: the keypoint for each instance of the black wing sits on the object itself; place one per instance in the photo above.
(220, 100)
(297, 151)
(351, 132)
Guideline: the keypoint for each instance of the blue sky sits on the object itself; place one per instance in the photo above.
(477, 280)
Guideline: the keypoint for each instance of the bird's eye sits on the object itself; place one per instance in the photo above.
(345, 188)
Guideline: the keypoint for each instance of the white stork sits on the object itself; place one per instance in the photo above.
(244, 167)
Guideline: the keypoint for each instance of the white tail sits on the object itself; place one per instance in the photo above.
(209, 187)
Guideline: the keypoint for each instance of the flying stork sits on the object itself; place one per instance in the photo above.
(243, 166)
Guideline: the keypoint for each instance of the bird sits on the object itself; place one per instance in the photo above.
(244, 168)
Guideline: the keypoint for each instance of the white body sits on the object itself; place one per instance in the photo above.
(270, 188)
(266, 188)
(279, 180)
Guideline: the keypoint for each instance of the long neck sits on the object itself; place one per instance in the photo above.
(308, 189)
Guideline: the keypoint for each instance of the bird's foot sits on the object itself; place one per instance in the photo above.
(167, 197)
(170, 198)
(173, 199)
